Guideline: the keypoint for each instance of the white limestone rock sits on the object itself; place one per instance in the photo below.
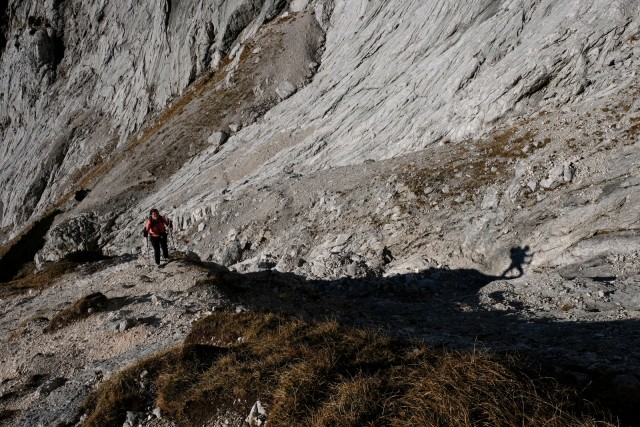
(218, 138)
(285, 89)
(257, 416)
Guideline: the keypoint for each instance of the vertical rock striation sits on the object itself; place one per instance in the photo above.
(78, 77)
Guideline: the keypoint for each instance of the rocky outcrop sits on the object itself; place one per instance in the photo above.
(81, 234)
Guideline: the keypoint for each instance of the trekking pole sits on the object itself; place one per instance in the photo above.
(171, 238)
(147, 239)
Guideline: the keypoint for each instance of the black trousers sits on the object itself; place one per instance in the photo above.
(157, 243)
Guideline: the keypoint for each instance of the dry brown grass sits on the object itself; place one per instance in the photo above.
(79, 310)
(124, 391)
(322, 374)
(38, 280)
(473, 165)
(31, 280)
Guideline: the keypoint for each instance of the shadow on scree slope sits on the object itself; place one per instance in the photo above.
(600, 358)
(17, 258)
(23, 249)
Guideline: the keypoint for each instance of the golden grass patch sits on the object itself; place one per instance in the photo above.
(79, 310)
(323, 374)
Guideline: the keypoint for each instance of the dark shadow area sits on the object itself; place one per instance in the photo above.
(149, 321)
(83, 257)
(6, 414)
(28, 280)
(520, 257)
(22, 251)
(603, 279)
(29, 385)
(4, 25)
(81, 194)
(442, 308)
(117, 303)
(58, 50)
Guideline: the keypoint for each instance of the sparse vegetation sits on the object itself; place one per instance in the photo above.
(79, 310)
(322, 374)
(18, 273)
(36, 281)
(475, 164)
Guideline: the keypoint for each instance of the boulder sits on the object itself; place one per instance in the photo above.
(217, 139)
(285, 89)
(79, 234)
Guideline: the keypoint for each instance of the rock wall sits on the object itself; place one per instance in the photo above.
(396, 77)
(399, 76)
(516, 75)
(78, 77)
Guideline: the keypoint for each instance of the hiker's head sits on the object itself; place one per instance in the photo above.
(154, 214)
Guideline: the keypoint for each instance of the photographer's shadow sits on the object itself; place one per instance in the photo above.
(520, 257)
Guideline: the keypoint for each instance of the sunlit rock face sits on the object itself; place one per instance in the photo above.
(459, 172)
(78, 77)
(535, 86)
(373, 81)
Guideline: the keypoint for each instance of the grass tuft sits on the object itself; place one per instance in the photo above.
(37, 280)
(323, 374)
(80, 310)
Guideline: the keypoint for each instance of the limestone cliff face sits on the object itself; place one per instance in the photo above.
(533, 86)
(399, 76)
(78, 77)
(400, 161)
(85, 86)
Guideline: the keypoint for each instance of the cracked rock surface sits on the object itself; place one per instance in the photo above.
(465, 173)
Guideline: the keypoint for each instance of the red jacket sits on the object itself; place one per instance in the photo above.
(157, 228)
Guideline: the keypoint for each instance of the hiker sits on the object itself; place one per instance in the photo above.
(155, 229)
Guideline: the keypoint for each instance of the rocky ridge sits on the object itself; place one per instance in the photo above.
(504, 136)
